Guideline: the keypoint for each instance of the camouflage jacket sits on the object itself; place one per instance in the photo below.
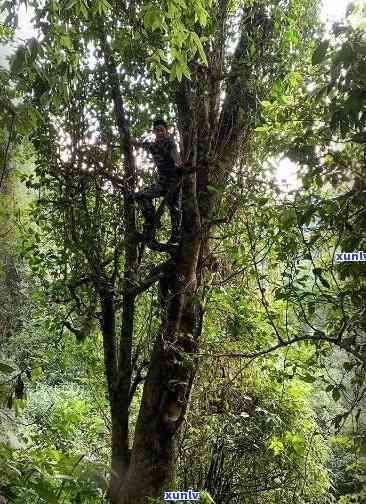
(165, 156)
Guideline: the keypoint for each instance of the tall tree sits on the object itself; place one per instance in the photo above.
(88, 56)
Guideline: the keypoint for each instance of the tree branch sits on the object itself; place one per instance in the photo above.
(138, 379)
(155, 275)
(122, 385)
(6, 153)
(286, 343)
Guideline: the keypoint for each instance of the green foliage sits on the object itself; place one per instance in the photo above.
(257, 435)
(55, 450)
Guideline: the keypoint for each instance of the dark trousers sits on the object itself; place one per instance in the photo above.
(170, 190)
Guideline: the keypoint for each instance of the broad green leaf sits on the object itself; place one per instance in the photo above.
(308, 378)
(336, 394)
(6, 368)
(198, 43)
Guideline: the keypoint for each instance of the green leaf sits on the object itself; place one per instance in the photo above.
(186, 71)
(359, 138)
(18, 61)
(173, 73)
(176, 55)
(36, 373)
(277, 446)
(297, 441)
(336, 394)
(197, 41)
(214, 189)
(348, 365)
(71, 4)
(84, 9)
(320, 52)
(104, 6)
(308, 378)
(6, 368)
(179, 72)
(205, 498)
(65, 41)
(19, 405)
(292, 36)
(172, 10)
(153, 19)
(324, 282)
(200, 14)
(266, 104)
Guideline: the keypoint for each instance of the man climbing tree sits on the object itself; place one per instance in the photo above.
(166, 158)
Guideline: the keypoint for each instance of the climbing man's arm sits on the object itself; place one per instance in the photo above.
(140, 144)
(174, 154)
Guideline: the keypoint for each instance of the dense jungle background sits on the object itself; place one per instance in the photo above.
(235, 364)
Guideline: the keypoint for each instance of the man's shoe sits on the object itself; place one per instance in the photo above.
(173, 242)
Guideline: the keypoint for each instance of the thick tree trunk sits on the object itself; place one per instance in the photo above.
(117, 394)
(171, 373)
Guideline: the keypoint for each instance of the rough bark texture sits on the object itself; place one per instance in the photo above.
(10, 280)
